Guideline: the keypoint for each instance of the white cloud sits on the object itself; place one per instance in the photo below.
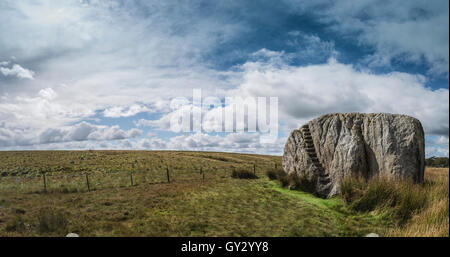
(152, 144)
(408, 31)
(410, 41)
(110, 56)
(82, 131)
(48, 108)
(86, 131)
(211, 118)
(306, 92)
(243, 143)
(17, 71)
(310, 47)
(47, 93)
(120, 111)
(440, 140)
(163, 123)
(436, 151)
(233, 142)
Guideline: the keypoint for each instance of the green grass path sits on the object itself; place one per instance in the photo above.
(255, 208)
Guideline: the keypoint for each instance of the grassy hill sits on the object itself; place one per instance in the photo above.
(129, 194)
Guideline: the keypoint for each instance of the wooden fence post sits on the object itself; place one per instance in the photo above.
(87, 182)
(203, 175)
(254, 169)
(131, 178)
(45, 184)
(168, 176)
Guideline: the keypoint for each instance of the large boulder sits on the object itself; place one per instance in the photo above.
(335, 146)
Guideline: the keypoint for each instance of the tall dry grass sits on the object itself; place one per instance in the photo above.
(416, 209)
(433, 219)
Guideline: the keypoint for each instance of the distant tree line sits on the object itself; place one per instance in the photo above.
(441, 162)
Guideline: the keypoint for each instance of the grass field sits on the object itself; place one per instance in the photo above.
(130, 196)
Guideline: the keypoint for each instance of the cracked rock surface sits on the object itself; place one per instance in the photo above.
(338, 145)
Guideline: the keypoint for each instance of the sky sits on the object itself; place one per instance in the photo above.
(90, 74)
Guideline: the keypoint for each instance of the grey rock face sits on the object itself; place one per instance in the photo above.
(334, 146)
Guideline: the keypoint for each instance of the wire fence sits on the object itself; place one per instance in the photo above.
(85, 181)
